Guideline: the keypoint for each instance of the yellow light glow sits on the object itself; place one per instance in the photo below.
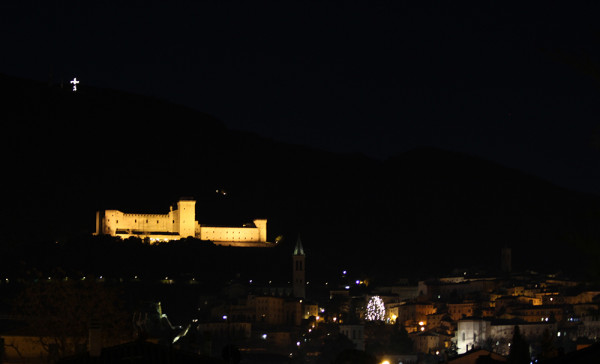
(385, 362)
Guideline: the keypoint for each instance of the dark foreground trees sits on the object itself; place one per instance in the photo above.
(353, 356)
(519, 349)
(60, 313)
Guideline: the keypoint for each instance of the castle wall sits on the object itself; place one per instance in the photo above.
(108, 222)
(179, 223)
(243, 244)
(114, 222)
(233, 234)
(146, 222)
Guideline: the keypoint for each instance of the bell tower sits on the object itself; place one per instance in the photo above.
(298, 270)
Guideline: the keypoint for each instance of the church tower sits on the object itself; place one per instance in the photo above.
(298, 273)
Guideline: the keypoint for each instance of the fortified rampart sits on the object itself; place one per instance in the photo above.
(177, 224)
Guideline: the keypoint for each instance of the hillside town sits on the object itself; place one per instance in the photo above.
(300, 182)
(437, 320)
(430, 321)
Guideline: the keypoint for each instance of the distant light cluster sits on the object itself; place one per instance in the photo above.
(375, 309)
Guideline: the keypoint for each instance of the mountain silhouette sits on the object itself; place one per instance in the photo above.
(68, 154)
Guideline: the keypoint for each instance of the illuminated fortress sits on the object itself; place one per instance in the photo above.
(177, 224)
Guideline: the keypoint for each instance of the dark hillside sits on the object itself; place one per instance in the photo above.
(474, 207)
(69, 154)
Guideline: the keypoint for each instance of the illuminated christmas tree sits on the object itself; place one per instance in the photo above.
(375, 309)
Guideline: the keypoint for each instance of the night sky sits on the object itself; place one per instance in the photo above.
(514, 84)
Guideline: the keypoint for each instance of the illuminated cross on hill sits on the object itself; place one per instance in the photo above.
(75, 82)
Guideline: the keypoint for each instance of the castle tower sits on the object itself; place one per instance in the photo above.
(298, 272)
(261, 224)
(187, 217)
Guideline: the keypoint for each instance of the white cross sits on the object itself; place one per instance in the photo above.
(75, 82)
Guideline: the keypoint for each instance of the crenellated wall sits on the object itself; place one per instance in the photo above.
(213, 233)
(113, 222)
(177, 224)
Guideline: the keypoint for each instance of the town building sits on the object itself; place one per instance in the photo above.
(356, 334)
(431, 342)
(472, 333)
(461, 310)
(414, 314)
